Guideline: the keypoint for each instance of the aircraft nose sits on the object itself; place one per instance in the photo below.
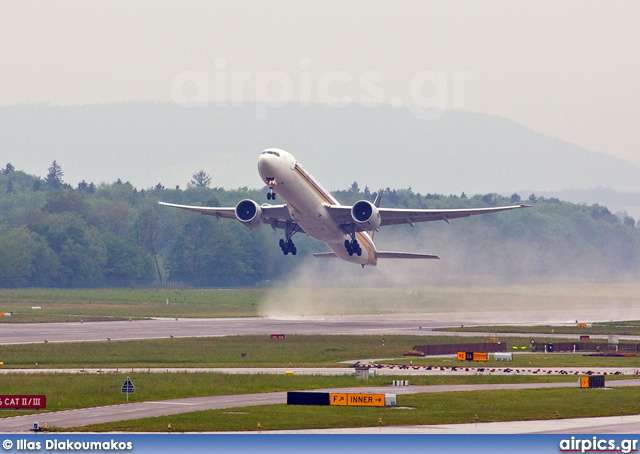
(268, 164)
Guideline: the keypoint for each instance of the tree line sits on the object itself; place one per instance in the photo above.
(55, 235)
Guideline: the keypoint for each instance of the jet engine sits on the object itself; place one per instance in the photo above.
(249, 213)
(366, 215)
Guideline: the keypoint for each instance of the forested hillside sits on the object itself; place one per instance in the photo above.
(55, 235)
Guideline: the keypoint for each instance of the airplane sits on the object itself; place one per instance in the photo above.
(309, 208)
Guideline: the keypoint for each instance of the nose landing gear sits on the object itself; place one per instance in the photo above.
(271, 182)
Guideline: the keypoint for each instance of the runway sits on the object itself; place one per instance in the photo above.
(408, 324)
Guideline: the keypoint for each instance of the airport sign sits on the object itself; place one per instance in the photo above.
(473, 356)
(23, 401)
(358, 400)
(339, 399)
(480, 356)
(128, 388)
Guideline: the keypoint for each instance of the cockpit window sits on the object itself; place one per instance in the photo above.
(272, 152)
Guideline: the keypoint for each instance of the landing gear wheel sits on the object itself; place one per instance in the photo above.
(288, 246)
(352, 247)
(347, 246)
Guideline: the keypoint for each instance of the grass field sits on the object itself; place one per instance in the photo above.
(262, 351)
(627, 328)
(432, 408)
(101, 304)
(259, 351)
(108, 304)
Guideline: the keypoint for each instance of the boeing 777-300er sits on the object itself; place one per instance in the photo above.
(309, 208)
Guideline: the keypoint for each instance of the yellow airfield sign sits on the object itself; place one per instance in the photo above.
(361, 400)
(480, 356)
(339, 399)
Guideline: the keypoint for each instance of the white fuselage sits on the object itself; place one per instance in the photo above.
(306, 201)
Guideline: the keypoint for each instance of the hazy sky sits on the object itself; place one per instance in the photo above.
(567, 69)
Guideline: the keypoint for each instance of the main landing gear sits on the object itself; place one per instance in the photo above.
(353, 247)
(286, 244)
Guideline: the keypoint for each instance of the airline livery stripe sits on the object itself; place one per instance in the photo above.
(368, 245)
(323, 195)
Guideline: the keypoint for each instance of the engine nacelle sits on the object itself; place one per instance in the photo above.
(249, 213)
(366, 215)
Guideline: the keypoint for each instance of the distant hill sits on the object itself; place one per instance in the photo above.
(616, 201)
(150, 143)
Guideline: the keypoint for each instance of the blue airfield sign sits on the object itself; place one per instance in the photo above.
(128, 388)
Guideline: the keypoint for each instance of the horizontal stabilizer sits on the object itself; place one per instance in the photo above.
(404, 255)
(326, 255)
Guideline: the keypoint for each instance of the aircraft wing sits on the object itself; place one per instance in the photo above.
(275, 215)
(220, 212)
(393, 216)
(341, 214)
